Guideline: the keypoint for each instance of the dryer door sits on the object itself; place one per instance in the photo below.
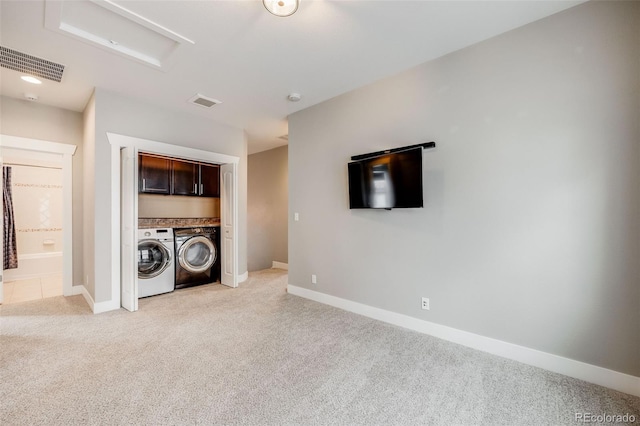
(197, 254)
(153, 258)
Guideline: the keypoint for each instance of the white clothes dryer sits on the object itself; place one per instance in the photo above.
(156, 261)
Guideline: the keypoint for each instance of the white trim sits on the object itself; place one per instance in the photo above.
(280, 265)
(67, 151)
(27, 144)
(96, 308)
(81, 289)
(77, 290)
(67, 223)
(243, 277)
(115, 223)
(569, 367)
(128, 225)
(150, 146)
(106, 306)
(54, 20)
(154, 26)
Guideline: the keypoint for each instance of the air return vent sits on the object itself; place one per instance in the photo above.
(31, 65)
(204, 101)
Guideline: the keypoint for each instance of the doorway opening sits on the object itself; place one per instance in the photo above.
(124, 219)
(37, 193)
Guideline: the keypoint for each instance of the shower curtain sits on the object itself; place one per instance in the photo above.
(9, 237)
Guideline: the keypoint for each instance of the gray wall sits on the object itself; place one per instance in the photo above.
(267, 205)
(118, 114)
(35, 121)
(530, 231)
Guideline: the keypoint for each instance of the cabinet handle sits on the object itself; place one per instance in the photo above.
(144, 184)
(201, 190)
(195, 188)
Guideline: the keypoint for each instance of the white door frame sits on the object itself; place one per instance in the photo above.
(117, 143)
(66, 151)
(129, 218)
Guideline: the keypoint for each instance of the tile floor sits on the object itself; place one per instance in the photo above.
(32, 289)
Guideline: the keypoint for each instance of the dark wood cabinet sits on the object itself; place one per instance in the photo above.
(209, 180)
(185, 178)
(154, 175)
(160, 175)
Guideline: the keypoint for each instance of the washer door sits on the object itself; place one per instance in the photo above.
(153, 258)
(197, 254)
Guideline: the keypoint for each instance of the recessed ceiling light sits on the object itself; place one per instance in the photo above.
(30, 79)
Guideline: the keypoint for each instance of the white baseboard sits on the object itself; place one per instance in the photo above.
(106, 306)
(590, 373)
(99, 307)
(77, 289)
(280, 265)
(243, 277)
(83, 291)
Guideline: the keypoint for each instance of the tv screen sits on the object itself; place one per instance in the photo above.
(387, 181)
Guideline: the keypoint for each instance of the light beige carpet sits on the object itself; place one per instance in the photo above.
(256, 355)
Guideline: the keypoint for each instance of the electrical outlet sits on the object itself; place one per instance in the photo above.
(425, 304)
(296, 217)
(314, 279)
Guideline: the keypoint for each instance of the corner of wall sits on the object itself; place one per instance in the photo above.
(88, 193)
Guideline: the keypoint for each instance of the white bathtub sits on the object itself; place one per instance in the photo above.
(35, 265)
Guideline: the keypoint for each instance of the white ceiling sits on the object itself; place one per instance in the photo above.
(251, 60)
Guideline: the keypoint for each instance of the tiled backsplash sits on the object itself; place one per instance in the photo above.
(177, 222)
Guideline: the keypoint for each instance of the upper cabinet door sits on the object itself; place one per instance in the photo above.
(154, 175)
(209, 180)
(184, 177)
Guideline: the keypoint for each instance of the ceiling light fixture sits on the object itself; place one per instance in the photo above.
(31, 79)
(281, 7)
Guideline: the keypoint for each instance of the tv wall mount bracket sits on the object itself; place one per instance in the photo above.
(424, 145)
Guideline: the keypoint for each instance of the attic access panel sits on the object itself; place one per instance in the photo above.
(114, 28)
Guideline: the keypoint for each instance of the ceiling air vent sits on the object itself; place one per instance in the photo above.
(31, 65)
(204, 101)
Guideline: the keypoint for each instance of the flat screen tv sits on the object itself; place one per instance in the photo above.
(387, 181)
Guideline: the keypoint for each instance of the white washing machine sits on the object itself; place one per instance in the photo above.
(156, 261)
